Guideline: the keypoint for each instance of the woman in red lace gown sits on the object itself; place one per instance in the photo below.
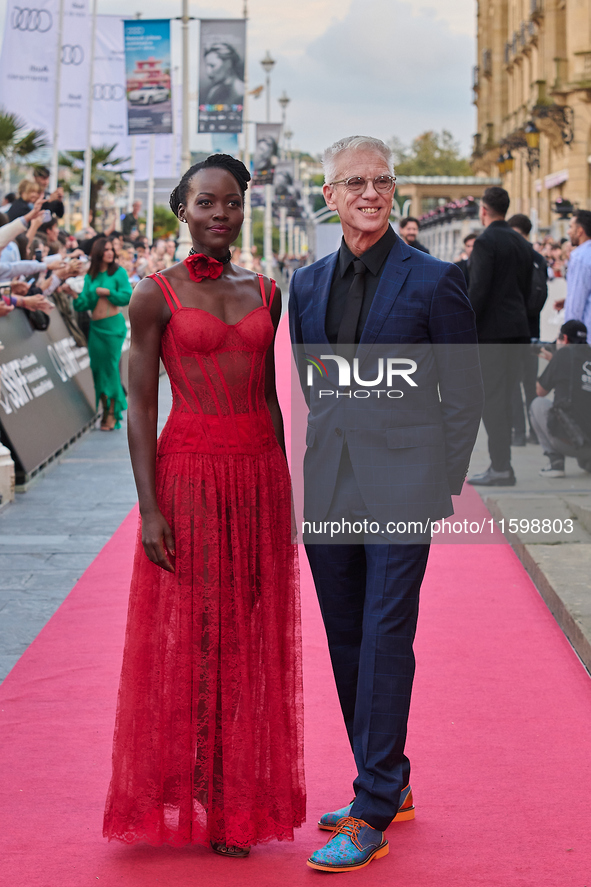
(208, 737)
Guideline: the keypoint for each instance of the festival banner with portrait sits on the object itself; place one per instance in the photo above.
(266, 153)
(148, 80)
(221, 75)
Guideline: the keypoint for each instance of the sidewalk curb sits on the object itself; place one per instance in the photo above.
(549, 594)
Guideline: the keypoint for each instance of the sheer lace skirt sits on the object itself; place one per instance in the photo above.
(208, 740)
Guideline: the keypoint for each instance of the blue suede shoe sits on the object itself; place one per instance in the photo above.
(406, 811)
(352, 845)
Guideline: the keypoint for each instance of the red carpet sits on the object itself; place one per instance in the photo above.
(500, 740)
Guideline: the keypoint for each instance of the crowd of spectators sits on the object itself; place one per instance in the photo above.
(42, 266)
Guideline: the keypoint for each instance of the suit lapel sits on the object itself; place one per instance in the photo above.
(393, 276)
(322, 281)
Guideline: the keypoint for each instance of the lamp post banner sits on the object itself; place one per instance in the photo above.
(28, 63)
(109, 108)
(147, 71)
(266, 152)
(221, 75)
(75, 62)
(167, 160)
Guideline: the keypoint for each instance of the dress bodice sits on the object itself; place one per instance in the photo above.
(217, 375)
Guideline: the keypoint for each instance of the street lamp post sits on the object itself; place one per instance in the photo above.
(184, 244)
(284, 101)
(268, 64)
(245, 252)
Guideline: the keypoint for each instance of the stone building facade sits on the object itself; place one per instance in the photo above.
(532, 90)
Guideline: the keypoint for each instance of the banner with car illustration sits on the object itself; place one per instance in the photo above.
(147, 71)
(221, 75)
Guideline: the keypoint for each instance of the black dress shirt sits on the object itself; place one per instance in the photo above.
(374, 260)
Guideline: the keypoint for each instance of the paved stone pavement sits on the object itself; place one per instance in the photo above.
(51, 533)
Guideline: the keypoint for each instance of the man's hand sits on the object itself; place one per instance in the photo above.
(70, 269)
(19, 287)
(37, 303)
(58, 194)
(54, 262)
(546, 355)
(559, 304)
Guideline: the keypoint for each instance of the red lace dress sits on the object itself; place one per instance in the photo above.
(208, 737)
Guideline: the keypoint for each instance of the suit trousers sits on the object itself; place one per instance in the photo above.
(500, 366)
(369, 598)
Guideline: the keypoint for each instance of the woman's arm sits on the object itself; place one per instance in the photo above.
(147, 313)
(88, 298)
(270, 386)
(120, 292)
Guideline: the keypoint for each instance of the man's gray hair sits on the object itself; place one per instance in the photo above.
(353, 143)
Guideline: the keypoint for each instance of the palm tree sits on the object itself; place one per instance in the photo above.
(106, 172)
(17, 142)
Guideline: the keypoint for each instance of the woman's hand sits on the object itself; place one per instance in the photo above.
(102, 292)
(4, 308)
(36, 211)
(158, 541)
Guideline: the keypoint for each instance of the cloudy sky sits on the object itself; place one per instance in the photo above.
(379, 67)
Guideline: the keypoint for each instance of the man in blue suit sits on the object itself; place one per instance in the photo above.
(381, 466)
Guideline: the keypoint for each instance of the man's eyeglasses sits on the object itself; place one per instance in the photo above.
(357, 184)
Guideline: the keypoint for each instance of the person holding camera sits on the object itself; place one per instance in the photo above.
(564, 427)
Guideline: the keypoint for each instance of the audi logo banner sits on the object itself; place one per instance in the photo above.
(75, 63)
(109, 112)
(29, 60)
(72, 55)
(24, 18)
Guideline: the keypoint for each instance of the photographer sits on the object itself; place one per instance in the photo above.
(564, 427)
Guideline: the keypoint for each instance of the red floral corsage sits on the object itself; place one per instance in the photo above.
(201, 266)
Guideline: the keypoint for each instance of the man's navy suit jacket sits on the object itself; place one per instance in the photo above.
(409, 455)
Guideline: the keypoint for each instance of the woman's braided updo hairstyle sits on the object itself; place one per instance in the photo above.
(222, 161)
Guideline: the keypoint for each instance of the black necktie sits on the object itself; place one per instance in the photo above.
(348, 327)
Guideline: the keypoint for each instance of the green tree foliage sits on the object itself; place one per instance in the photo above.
(106, 171)
(430, 154)
(15, 140)
(166, 223)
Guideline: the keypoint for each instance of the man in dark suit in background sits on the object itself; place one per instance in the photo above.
(376, 460)
(501, 267)
(409, 231)
(464, 264)
(529, 363)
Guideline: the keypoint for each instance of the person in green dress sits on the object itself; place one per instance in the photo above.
(106, 290)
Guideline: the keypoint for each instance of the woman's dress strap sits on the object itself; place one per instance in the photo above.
(169, 294)
(263, 293)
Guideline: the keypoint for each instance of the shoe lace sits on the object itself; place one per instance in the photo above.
(350, 826)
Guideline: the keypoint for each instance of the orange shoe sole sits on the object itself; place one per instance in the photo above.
(381, 851)
(405, 814)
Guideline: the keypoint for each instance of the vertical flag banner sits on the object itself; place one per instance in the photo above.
(109, 109)
(75, 62)
(28, 63)
(167, 160)
(221, 75)
(287, 189)
(225, 143)
(147, 71)
(266, 153)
